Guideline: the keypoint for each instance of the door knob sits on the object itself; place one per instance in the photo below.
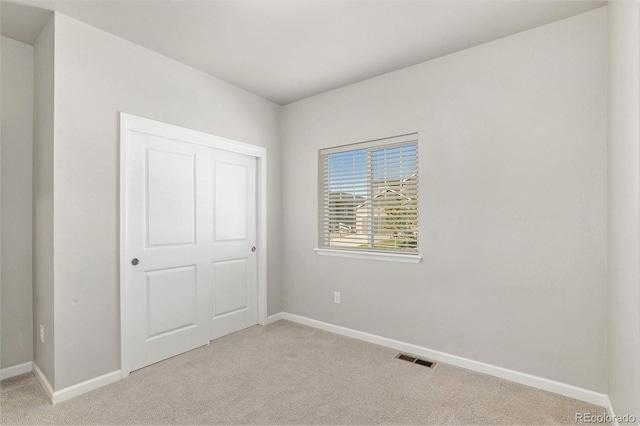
(253, 248)
(135, 261)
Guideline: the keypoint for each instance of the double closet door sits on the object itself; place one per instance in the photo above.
(190, 236)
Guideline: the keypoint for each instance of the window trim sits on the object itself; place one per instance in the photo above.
(370, 255)
(408, 137)
(366, 253)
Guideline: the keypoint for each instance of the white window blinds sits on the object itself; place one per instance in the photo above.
(369, 196)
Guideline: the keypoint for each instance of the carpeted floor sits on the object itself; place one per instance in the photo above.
(287, 373)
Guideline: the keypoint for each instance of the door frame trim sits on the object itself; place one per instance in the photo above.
(133, 123)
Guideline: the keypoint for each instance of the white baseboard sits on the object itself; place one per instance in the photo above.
(46, 386)
(16, 370)
(275, 317)
(564, 389)
(612, 414)
(75, 390)
(503, 373)
(87, 386)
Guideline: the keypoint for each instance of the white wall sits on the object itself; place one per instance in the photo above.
(512, 204)
(624, 207)
(97, 75)
(17, 148)
(43, 255)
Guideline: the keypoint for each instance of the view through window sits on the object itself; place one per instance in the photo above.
(369, 196)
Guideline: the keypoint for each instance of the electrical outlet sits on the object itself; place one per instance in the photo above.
(42, 333)
(336, 297)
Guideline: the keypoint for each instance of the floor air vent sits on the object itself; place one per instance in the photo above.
(415, 360)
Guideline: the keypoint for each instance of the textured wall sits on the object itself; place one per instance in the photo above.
(16, 169)
(512, 141)
(624, 207)
(43, 255)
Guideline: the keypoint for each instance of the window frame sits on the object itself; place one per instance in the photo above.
(323, 247)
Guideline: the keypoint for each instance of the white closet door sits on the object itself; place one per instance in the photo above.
(234, 292)
(168, 238)
(190, 242)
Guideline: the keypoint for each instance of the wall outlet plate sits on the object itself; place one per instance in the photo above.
(336, 297)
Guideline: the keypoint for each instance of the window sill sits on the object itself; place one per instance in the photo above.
(357, 254)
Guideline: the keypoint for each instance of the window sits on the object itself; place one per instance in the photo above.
(369, 196)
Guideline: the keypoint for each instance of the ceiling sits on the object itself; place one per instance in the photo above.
(22, 23)
(288, 50)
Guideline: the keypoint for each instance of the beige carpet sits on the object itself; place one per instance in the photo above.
(286, 373)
